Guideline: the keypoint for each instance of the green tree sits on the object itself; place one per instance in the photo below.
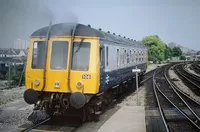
(168, 52)
(177, 52)
(156, 50)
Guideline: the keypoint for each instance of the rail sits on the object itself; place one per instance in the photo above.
(36, 125)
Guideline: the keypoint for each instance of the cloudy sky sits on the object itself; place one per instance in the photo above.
(172, 20)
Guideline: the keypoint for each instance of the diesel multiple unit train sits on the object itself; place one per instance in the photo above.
(73, 67)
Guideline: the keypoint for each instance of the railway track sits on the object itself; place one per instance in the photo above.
(190, 80)
(148, 76)
(195, 67)
(35, 125)
(49, 123)
(169, 96)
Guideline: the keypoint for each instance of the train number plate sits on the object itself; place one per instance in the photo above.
(86, 76)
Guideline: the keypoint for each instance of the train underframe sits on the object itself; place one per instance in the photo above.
(84, 107)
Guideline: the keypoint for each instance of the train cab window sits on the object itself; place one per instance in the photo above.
(80, 56)
(106, 55)
(38, 56)
(117, 58)
(59, 55)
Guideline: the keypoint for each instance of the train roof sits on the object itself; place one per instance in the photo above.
(65, 29)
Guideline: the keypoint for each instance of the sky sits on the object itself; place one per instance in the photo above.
(172, 20)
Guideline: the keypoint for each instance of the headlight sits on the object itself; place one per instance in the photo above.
(79, 85)
(57, 85)
(36, 82)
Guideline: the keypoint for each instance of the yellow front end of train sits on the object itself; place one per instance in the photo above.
(84, 72)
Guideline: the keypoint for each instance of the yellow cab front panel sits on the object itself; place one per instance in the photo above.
(84, 69)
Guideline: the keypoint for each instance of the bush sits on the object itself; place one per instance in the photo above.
(16, 78)
(2, 77)
(182, 57)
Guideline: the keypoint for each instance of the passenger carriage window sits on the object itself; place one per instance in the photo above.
(134, 56)
(117, 58)
(38, 56)
(127, 57)
(123, 56)
(59, 55)
(106, 55)
(80, 56)
(125, 61)
(142, 55)
(130, 57)
(139, 56)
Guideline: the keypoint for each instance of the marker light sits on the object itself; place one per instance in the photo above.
(79, 85)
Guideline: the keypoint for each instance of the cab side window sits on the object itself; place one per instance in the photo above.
(101, 56)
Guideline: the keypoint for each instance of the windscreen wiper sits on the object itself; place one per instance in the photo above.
(80, 45)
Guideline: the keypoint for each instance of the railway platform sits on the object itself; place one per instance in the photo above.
(127, 119)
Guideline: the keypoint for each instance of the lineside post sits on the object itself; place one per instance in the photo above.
(136, 71)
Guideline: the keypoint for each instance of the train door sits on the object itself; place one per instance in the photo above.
(57, 60)
(102, 65)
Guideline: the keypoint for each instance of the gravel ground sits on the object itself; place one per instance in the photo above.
(191, 71)
(132, 99)
(9, 95)
(3, 84)
(11, 119)
(13, 110)
(153, 66)
(182, 86)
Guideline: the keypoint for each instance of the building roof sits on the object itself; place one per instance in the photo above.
(10, 59)
(17, 51)
(198, 53)
(65, 29)
(5, 51)
(12, 51)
